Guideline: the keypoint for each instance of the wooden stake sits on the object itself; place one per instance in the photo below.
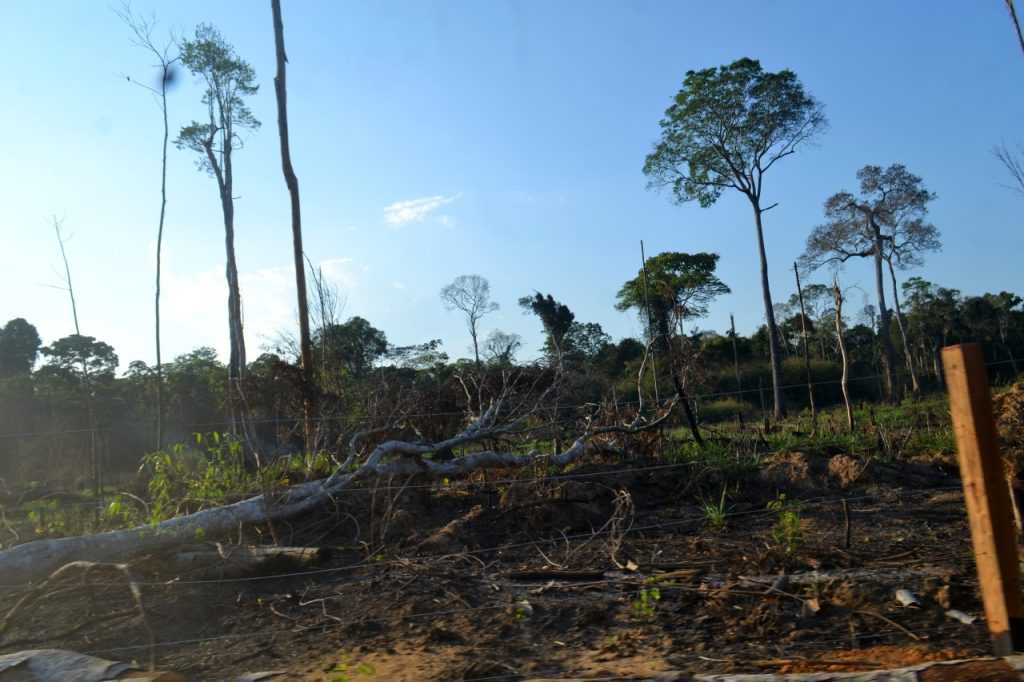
(986, 495)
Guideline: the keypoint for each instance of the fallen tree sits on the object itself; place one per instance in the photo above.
(37, 559)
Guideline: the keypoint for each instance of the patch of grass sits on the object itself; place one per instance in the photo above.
(715, 514)
(787, 531)
(646, 602)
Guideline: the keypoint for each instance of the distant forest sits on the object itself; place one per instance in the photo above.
(60, 401)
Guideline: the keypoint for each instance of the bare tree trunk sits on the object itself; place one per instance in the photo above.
(159, 250)
(305, 345)
(838, 295)
(143, 31)
(769, 313)
(735, 355)
(891, 389)
(650, 320)
(94, 459)
(677, 381)
(807, 354)
(1016, 23)
(914, 383)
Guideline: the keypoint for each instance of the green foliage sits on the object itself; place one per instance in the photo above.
(212, 474)
(19, 346)
(727, 126)
(555, 317)
(228, 79)
(715, 513)
(75, 356)
(349, 671)
(351, 348)
(676, 287)
(787, 531)
(646, 602)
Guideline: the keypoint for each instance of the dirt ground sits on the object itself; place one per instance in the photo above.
(611, 569)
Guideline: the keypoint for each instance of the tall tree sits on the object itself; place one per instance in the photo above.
(725, 129)
(228, 79)
(166, 57)
(680, 286)
(19, 347)
(911, 239)
(892, 203)
(556, 318)
(305, 345)
(470, 294)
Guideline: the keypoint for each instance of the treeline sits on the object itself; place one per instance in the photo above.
(64, 405)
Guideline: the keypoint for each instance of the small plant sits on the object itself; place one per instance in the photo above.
(787, 529)
(647, 601)
(715, 513)
(349, 672)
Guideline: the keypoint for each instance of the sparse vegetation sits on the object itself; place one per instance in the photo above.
(562, 487)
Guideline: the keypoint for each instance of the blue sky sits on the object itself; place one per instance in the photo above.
(499, 138)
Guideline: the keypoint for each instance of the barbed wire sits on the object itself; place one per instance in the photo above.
(805, 503)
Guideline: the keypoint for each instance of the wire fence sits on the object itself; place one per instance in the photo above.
(620, 583)
(377, 565)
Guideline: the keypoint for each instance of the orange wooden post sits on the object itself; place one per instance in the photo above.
(986, 495)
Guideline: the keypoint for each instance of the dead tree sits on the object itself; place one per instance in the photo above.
(166, 60)
(807, 356)
(511, 416)
(305, 345)
(94, 458)
(735, 355)
(837, 294)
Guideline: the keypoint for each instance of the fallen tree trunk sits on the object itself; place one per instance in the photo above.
(232, 561)
(33, 560)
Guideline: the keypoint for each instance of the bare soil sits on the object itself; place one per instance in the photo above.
(612, 570)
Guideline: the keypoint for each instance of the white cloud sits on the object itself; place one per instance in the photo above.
(415, 210)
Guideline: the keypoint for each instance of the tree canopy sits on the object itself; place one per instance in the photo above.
(19, 347)
(228, 79)
(727, 126)
(680, 286)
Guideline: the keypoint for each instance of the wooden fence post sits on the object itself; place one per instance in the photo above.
(986, 495)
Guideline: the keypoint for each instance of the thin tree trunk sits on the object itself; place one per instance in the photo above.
(305, 345)
(735, 355)
(86, 382)
(650, 321)
(915, 385)
(891, 390)
(691, 418)
(1016, 23)
(838, 295)
(159, 249)
(1003, 323)
(807, 353)
(236, 365)
(769, 313)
